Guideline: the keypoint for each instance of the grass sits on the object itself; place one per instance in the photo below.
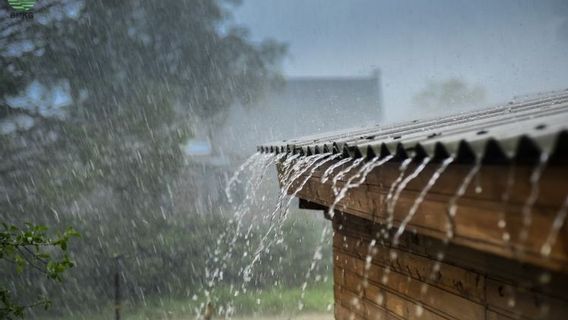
(317, 300)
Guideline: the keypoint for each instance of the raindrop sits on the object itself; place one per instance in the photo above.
(361, 175)
(557, 225)
(419, 310)
(533, 196)
(421, 196)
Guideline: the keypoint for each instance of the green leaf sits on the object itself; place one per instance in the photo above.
(40, 228)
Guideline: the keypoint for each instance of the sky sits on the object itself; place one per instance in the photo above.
(510, 48)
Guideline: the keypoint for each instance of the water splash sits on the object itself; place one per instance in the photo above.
(371, 253)
(557, 225)
(390, 194)
(235, 178)
(505, 198)
(342, 174)
(319, 160)
(288, 167)
(392, 204)
(533, 196)
(314, 162)
(244, 207)
(316, 259)
(351, 183)
(257, 165)
(365, 170)
(412, 212)
(451, 213)
(291, 171)
(301, 167)
(453, 203)
(405, 182)
(327, 173)
(216, 264)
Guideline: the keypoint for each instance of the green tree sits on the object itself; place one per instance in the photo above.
(30, 247)
(137, 74)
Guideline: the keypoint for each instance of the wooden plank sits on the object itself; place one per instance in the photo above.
(343, 313)
(451, 278)
(477, 223)
(354, 239)
(413, 312)
(398, 282)
(353, 281)
(492, 315)
(532, 293)
(444, 301)
(350, 300)
(394, 306)
(375, 312)
(376, 295)
(483, 271)
(517, 302)
(338, 275)
(493, 180)
(398, 305)
(527, 277)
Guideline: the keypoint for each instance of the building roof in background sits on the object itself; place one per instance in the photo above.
(519, 129)
(301, 106)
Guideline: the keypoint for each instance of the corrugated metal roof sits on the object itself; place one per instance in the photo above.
(518, 130)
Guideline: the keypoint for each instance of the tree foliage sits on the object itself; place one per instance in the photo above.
(136, 75)
(31, 248)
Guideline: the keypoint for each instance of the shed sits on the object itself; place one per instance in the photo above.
(459, 217)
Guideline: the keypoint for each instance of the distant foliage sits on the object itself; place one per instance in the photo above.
(448, 94)
(31, 249)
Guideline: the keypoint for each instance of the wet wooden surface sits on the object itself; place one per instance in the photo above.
(479, 210)
(469, 284)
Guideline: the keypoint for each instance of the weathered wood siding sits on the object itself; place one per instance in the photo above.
(470, 284)
(488, 271)
(478, 214)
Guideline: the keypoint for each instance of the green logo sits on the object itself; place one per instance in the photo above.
(22, 5)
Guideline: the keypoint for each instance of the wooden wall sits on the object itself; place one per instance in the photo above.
(479, 212)
(470, 284)
(484, 274)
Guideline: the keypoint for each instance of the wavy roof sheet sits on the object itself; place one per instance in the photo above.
(520, 130)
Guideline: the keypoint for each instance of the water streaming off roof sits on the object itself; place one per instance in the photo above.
(532, 125)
